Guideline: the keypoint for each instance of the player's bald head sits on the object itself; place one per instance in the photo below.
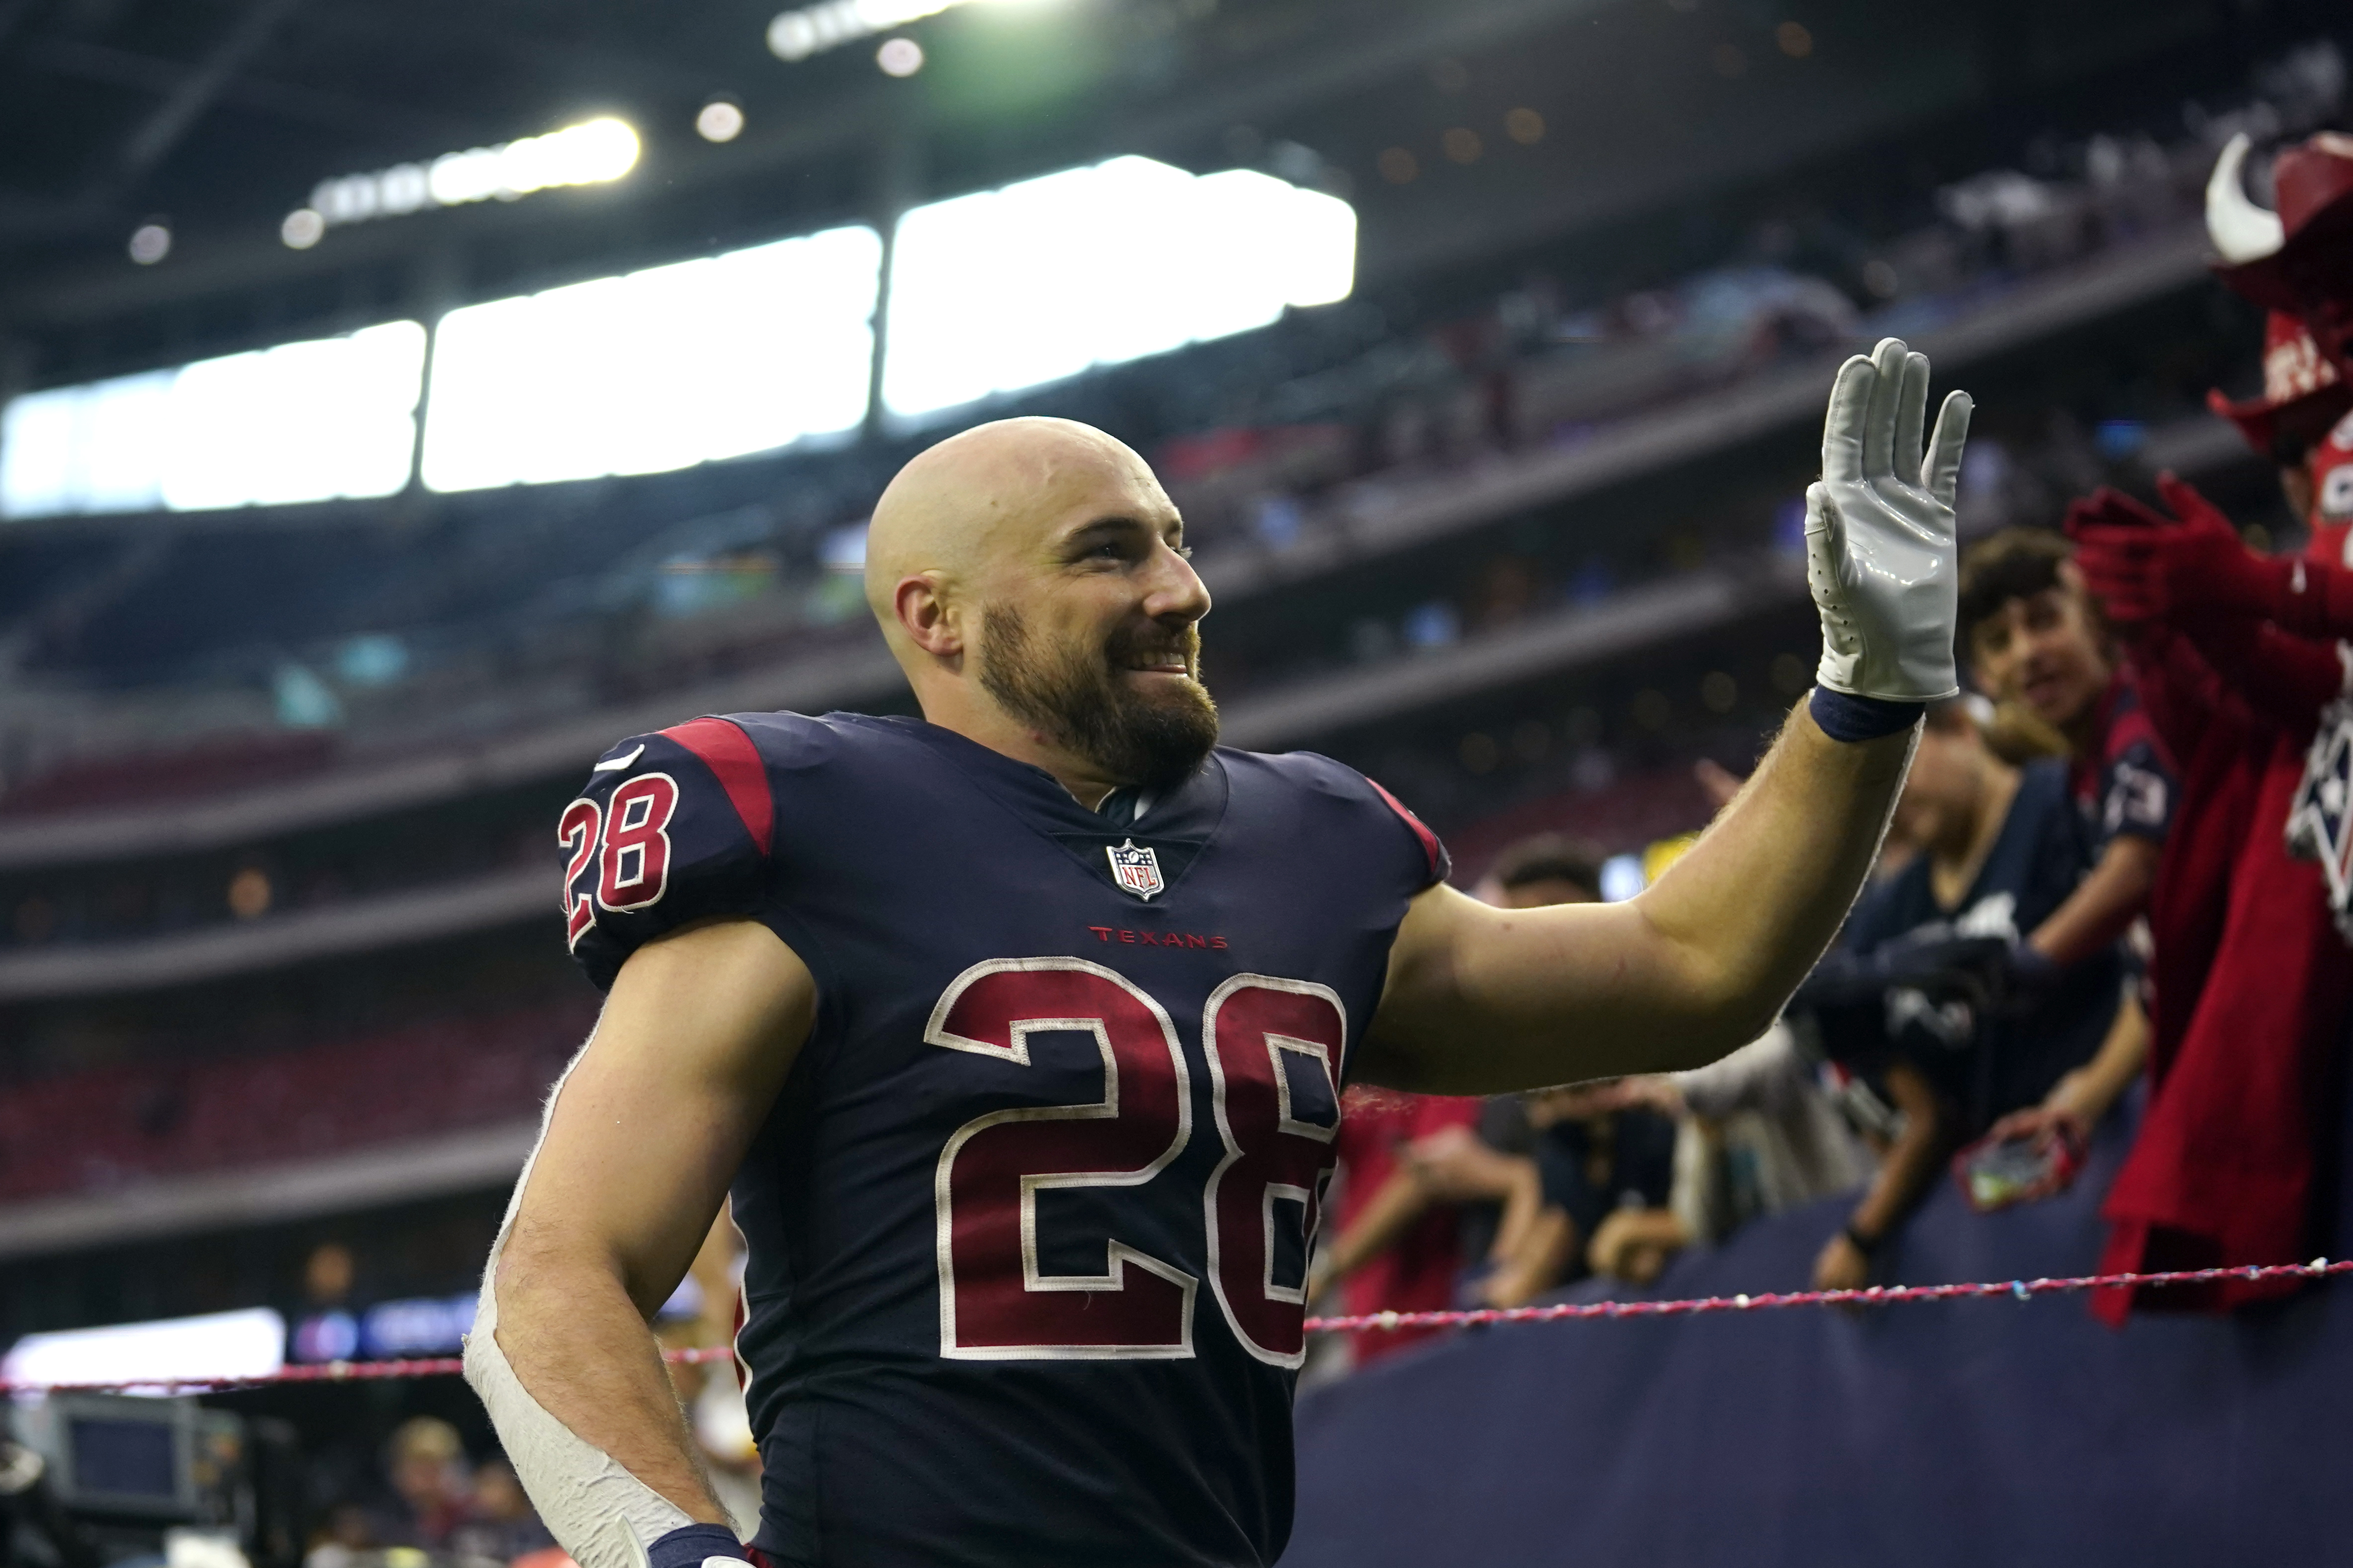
(989, 496)
(1031, 576)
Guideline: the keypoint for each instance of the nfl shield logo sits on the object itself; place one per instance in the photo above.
(1136, 869)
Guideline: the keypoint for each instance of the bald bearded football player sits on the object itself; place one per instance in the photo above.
(1018, 1032)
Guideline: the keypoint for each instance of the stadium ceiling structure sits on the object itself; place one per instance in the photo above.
(187, 177)
(196, 127)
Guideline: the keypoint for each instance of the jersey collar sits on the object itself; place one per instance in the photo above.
(1189, 809)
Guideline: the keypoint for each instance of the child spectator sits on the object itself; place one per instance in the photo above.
(2033, 638)
(1911, 1000)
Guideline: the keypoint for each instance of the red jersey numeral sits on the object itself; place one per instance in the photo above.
(1264, 1038)
(634, 871)
(997, 1303)
(578, 833)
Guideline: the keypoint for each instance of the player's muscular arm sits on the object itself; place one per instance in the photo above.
(694, 1043)
(1480, 1000)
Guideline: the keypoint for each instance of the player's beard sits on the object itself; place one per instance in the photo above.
(1081, 698)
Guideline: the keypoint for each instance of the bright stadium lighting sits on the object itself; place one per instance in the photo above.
(809, 30)
(719, 121)
(150, 243)
(330, 418)
(591, 152)
(85, 449)
(223, 1345)
(1008, 289)
(333, 417)
(656, 370)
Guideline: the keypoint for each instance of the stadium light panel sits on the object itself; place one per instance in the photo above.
(308, 421)
(1015, 288)
(223, 1345)
(796, 35)
(589, 153)
(656, 370)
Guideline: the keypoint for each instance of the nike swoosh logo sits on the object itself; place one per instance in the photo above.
(615, 765)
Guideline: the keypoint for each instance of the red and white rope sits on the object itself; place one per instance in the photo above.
(1874, 1296)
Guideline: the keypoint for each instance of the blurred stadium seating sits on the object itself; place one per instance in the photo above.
(102, 1128)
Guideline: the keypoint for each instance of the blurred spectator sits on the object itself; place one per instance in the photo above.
(2249, 986)
(327, 1276)
(1409, 1165)
(1399, 1246)
(348, 1535)
(1924, 996)
(425, 1463)
(1756, 1135)
(2034, 637)
(499, 1524)
(1603, 1150)
(1595, 1150)
(1543, 869)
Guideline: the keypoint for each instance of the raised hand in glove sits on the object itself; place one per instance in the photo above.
(1879, 531)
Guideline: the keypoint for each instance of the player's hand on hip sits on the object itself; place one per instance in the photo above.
(1879, 531)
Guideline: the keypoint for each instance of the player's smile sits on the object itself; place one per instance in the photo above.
(1176, 664)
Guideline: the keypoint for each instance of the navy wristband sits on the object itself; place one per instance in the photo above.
(1849, 718)
(689, 1544)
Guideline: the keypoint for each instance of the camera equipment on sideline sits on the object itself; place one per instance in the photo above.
(103, 1477)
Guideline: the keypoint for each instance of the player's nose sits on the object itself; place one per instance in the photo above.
(1174, 591)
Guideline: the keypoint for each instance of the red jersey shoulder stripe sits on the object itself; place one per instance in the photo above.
(1430, 847)
(734, 761)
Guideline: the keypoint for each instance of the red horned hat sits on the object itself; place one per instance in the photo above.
(2302, 254)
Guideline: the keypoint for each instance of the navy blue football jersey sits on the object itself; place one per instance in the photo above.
(1997, 1065)
(1028, 1223)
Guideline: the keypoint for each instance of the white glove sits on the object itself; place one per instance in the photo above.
(1879, 531)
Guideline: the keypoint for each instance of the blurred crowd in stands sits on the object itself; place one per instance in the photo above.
(103, 1128)
(536, 606)
(1406, 417)
(2125, 857)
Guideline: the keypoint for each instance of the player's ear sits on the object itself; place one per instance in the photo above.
(923, 610)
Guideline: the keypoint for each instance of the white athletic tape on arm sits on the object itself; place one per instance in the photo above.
(599, 1512)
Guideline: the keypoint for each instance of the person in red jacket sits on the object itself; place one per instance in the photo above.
(2236, 657)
